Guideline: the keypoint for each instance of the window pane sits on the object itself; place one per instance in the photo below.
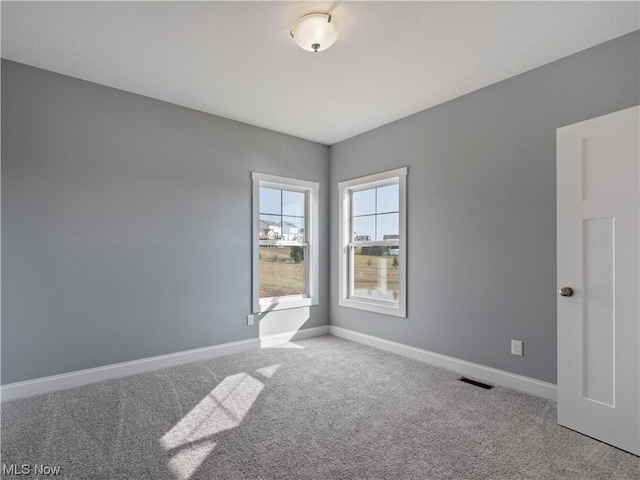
(293, 229)
(270, 201)
(364, 202)
(364, 228)
(375, 272)
(282, 271)
(388, 226)
(388, 199)
(293, 203)
(270, 228)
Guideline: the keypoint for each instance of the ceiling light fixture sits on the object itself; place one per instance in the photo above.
(315, 32)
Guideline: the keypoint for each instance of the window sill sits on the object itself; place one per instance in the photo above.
(384, 308)
(274, 304)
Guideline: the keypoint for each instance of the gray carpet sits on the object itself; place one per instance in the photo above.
(322, 408)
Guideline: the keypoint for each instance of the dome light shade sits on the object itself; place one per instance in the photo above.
(315, 32)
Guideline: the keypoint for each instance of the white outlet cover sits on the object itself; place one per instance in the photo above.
(516, 348)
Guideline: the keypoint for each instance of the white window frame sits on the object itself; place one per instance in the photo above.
(310, 189)
(346, 189)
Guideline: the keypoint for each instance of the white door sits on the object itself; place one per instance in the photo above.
(598, 175)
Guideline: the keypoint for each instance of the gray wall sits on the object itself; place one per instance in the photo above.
(126, 221)
(481, 208)
(126, 225)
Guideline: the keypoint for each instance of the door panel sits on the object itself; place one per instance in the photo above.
(598, 179)
(598, 252)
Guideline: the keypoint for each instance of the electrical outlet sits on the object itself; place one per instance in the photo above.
(250, 319)
(516, 348)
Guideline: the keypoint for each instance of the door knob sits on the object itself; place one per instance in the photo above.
(565, 292)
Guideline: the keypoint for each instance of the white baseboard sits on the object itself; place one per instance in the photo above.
(280, 338)
(83, 377)
(474, 370)
(38, 386)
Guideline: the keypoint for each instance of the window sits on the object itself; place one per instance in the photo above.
(373, 243)
(285, 245)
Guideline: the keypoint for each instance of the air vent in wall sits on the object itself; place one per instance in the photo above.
(476, 383)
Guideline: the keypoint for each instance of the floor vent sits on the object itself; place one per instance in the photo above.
(476, 383)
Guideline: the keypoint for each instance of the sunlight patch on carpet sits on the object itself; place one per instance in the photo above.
(268, 372)
(187, 461)
(223, 409)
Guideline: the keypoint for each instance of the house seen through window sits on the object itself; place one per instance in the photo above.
(376, 216)
(285, 245)
(372, 232)
(282, 242)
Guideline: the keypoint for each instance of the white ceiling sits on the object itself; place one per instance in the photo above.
(236, 59)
